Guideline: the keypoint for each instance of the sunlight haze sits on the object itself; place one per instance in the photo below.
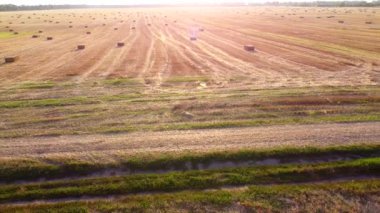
(127, 2)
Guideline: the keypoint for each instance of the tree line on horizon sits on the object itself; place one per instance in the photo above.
(12, 7)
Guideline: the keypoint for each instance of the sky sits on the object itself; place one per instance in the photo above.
(129, 2)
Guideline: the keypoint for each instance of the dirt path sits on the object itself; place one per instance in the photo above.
(109, 147)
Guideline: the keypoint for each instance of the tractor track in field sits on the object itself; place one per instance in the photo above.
(293, 69)
(105, 66)
(212, 66)
(187, 53)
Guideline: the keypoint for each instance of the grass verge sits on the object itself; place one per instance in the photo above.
(26, 169)
(177, 181)
(348, 196)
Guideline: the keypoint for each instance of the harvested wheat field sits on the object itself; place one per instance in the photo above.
(290, 51)
(236, 109)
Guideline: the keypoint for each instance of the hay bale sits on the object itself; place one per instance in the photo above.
(10, 59)
(40, 31)
(193, 38)
(249, 48)
(133, 28)
(201, 29)
(34, 36)
(88, 33)
(49, 38)
(120, 44)
(81, 47)
(340, 22)
(368, 22)
(16, 33)
(115, 28)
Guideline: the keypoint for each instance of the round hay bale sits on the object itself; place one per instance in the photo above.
(368, 22)
(193, 38)
(88, 33)
(115, 28)
(49, 38)
(340, 22)
(34, 36)
(120, 44)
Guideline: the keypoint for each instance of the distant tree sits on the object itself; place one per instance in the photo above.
(11, 7)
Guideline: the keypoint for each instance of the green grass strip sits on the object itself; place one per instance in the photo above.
(189, 180)
(46, 102)
(272, 198)
(24, 169)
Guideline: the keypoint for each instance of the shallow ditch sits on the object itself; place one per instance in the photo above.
(124, 170)
(115, 197)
